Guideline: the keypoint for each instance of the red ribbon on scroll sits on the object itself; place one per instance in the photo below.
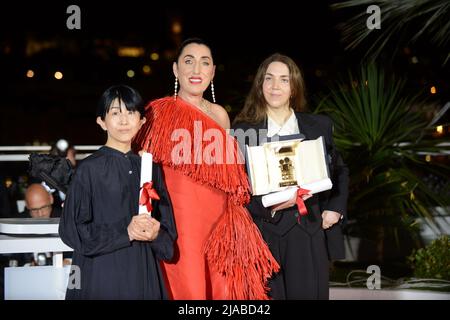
(148, 194)
(300, 203)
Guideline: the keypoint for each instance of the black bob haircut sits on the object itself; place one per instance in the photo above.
(187, 42)
(127, 95)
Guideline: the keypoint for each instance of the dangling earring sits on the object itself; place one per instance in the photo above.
(212, 92)
(176, 87)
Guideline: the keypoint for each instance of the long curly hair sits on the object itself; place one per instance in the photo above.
(255, 107)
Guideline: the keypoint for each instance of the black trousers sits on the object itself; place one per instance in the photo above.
(304, 263)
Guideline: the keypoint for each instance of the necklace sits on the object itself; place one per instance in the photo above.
(205, 106)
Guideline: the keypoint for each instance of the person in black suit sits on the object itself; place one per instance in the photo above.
(303, 247)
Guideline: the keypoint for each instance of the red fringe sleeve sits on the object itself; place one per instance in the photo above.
(235, 247)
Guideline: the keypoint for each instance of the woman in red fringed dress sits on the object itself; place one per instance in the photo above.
(220, 253)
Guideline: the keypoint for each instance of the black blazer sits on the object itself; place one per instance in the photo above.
(311, 126)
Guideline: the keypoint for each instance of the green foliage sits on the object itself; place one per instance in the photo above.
(381, 134)
(433, 261)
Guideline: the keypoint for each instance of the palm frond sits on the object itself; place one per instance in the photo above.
(380, 135)
(402, 23)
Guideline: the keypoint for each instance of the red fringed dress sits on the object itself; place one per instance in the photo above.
(220, 253)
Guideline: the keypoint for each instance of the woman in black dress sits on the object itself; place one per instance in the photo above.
(115, 249)
(303, 247)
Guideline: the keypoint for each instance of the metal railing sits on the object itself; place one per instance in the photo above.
(22, 153)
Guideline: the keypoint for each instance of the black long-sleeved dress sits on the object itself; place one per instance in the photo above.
(101, 201)
(304, 249)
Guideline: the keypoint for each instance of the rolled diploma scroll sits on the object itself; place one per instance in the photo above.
(274, 198)
(146, 176)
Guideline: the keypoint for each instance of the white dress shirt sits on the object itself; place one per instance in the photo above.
(288, 128)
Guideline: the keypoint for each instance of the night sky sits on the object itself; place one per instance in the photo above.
(241, 34)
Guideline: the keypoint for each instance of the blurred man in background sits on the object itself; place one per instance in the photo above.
(39, 202)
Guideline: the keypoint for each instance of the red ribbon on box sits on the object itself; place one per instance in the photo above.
(301, 204)
(148, 194)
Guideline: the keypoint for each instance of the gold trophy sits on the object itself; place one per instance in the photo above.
(285, 155)
(275, 166)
